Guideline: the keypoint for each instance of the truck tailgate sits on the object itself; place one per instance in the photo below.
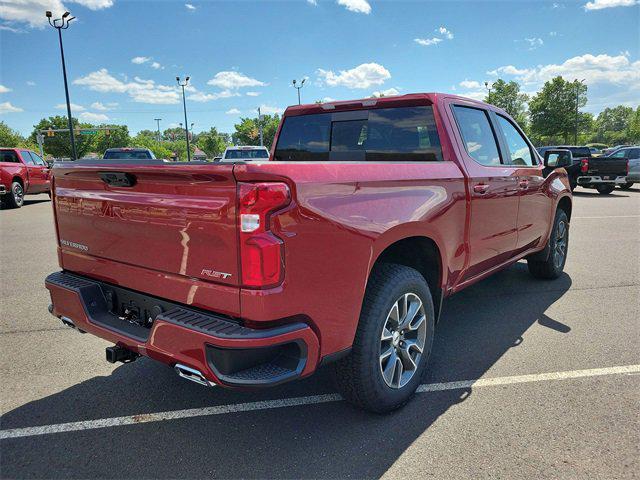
(608, 166)
(171, 218)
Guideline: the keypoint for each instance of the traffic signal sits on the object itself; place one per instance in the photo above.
(50, 133)
(107, 132)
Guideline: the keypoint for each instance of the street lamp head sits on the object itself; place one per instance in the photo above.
(48, 14)
(65, 14)
(187, 79)
(303, 80)
(294, 82)
(178, 79)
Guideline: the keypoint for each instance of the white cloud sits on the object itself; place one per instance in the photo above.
(508, 70)
(31, 83)
(470, 84)
(601, 4)
(362, 76)
(234, 80)
(426, 42)
(31, 12)
(141, 91)
(270, 110)
(6, 107)
(253, 94)
(534, 42)
(389, 92)
(93, 117)
(140, 60)
(328, 99)
(8, 28)
(233, 111)
(156, 65)
(358, 6)
(4, 89)
(475, 94)
(445, 33)
(189, 6)
(74, 107)
(312, 2)
(104, 107)
(207, 97)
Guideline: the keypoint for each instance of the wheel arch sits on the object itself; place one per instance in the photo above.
(424, 255)
(566, 205)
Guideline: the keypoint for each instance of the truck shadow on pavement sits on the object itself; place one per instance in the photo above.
(330, 440)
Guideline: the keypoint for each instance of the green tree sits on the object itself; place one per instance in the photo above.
(148, 133)
(248, 130)
(159, 149)
(60, 145)
(213, 142)
(612, 125)
(117, 137)
(508, 97)
(553, 111)
(633, 129)
(174, 133)
(9, 137)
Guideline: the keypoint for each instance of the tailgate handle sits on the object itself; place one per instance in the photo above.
(118, 179)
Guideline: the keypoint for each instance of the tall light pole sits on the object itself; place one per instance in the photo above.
(486, 85)
(575, 136)
(158, 121)
(186, 123)
(298, 86)
(62, 24)
(260, 125)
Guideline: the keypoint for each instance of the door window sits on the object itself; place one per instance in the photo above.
(38, 159)
(8, 156)
(26, 157)
(477, 135)
(519, 151)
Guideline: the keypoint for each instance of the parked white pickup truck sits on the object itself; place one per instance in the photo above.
(233, 154)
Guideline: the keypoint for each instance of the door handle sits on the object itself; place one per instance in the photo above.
(523, 183)
(481, 188)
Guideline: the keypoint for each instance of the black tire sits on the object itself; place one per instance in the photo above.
(605, 189)
(553, 266)
(359, 376)
(14, 198)
(626, 186)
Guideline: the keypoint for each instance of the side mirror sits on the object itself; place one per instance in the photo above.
(558, 158)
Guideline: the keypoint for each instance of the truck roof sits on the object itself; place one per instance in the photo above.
(391, 101)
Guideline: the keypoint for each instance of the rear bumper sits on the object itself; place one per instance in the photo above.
(223, 350)
(596, 180)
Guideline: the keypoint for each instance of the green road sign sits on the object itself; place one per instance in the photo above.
(88, 132)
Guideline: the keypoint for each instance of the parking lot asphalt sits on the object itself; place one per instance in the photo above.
(549, 376)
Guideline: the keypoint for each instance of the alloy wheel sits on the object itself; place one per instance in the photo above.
(402, 340)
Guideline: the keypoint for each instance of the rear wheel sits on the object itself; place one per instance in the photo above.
(393, 341)
(558, 244)
(605, 189)
(15, 198)
(626, 186)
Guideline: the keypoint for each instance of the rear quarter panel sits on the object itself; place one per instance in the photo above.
(342, 216)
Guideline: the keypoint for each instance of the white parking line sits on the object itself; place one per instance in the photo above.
(293, 402)
(608, 216)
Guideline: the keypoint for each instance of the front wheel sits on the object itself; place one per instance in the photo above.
(392, 343)
(558, 245)
(605, 189)
(626, 186)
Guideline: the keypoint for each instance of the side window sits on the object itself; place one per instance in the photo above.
(477, 134)
(26, 157)
(519, 150)
(38, 159)
(8, 156)
(634, 154)
(619, 154)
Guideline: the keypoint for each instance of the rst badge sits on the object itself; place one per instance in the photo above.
(214, 274)
(79, 246)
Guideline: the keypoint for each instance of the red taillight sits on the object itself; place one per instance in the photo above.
(262, 262)
(584, 165)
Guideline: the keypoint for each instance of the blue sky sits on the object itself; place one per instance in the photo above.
(123, 56)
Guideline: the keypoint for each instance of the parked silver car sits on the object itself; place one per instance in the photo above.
(632, 154)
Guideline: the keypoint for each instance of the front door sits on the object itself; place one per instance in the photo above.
(493, 188)
(534, 211)
(38, 172)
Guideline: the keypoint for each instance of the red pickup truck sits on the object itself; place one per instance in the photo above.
(339, 249)
(22, 172)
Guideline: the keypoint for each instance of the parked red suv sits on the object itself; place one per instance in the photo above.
(340, 248)
(22, 172)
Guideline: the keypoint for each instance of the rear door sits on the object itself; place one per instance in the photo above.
(493, 188)
(168, 218)
(534, 209)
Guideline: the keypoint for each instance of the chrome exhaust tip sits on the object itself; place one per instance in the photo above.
(192, 374)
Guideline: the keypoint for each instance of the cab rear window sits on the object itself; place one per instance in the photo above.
(401, 134)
